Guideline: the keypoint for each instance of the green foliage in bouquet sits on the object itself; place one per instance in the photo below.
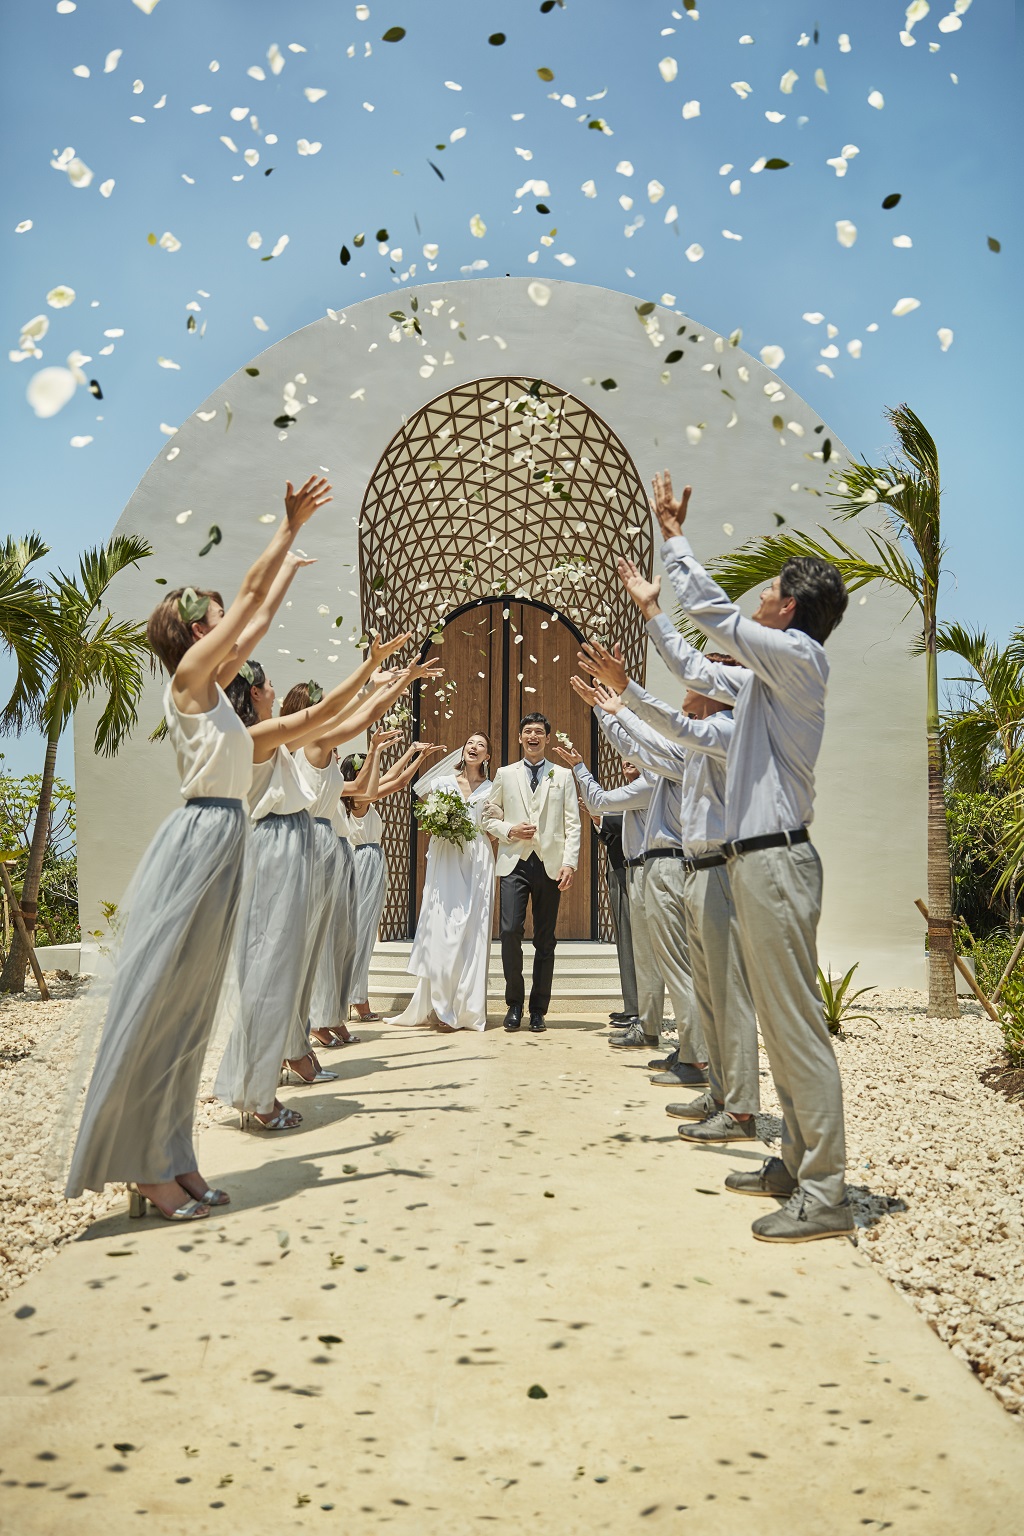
(443, 813)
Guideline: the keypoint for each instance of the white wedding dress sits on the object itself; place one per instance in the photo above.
(452, 948)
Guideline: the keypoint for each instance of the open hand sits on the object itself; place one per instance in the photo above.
(670, 513)
(610, 702)
(586, 691)
(646, 594)
(380, 649)
(295, 559)
(423, 669)
(565, 875)
(605, 666)
(568, 755)
(381, 739)
(299, 505)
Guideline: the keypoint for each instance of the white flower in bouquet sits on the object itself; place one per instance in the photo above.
(443, 813)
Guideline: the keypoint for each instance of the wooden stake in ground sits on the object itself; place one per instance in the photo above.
(19, 923)
(964, 972)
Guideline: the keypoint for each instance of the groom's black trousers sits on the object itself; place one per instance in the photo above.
(529, 881)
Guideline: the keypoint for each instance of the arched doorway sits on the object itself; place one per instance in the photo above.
(503, 494)
(508, 658)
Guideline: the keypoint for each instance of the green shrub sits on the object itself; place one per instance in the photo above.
(990, 956)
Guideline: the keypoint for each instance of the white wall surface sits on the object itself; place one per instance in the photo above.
(870, 820)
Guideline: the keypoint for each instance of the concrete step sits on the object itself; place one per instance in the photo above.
(586, 976)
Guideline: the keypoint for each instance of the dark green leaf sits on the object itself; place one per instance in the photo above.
(435, 170)
(496, 39)
(190, 323)
(826, 450)
(543, 208)
(396, 314)
(993, 244)
(647, 308)
(94, 389)
(674, 356)
(284, 422)
(345, 256)
(536, 1392)
(161, 581)
(547, 5)
(778, 423)
(253, 373)
(775, 164)
(377, 583)
(779, 519)
(393, 35)
(381, 236)
(124, 1449)
(329, 1338)
(608, 384)
(359, 241)
(546, 74)
(414, 303)
(891, 200)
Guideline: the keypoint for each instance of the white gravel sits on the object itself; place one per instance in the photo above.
(935, 1167)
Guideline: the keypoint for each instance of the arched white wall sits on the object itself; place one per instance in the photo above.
(870, 822)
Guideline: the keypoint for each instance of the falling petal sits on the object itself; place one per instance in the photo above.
(65, 7)
(49, 390)
(826, 370)
(945, 336)
(854, 348)
(147, 7)
(746, 38)
(112, 60)
(917, 10)
(728, 529)
(905, 306)
(788, 81)
(588, 189)
(902, 242)
(169, 242)
(820, 81)
(772, 356)
(668, 69)
(477, 226)
(735, 186)
(255, 72)
(165, 362)
(876, 99)
(23, 228)
(280, 245)
(106, 187)
(275, 58)
(844, 42)
(251, 157)
(742, 89)
(82, 71)
(950, 23)
(655, 191)
(304, 147)
(691, 109)
(776, 117)
(60, 297)
(694, 252)
(730, 236)
(832, 351)
(846, 232)
(260, 324)
(624, 168)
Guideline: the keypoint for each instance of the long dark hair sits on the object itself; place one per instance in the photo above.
(460, 766)
(239, 691)
(350, 767)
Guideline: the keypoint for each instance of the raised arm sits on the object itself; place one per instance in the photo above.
(260, 623)
(681, 658)
(193, 685)
(309, 724)
(602, 802)
(362, 790)
(402, 772)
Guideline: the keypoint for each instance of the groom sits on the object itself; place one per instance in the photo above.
(535, 816)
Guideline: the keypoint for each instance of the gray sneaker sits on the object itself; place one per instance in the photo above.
(662, 1063)
(701, 1108)
(803, 1219)
(720, 1127)
(773, 1178)
(631, 1039)
(623, 1029)
(681, 1074)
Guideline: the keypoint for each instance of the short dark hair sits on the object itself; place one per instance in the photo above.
(535, 718)
(239, 692)
(821, 597)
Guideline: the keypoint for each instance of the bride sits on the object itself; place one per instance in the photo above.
(452, 948)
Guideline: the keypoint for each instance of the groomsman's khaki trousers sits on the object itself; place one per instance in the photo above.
(777, 892)
(720, 989)
(665, 906)
(650, 989)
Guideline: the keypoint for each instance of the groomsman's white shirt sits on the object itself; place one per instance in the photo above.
(552, 807)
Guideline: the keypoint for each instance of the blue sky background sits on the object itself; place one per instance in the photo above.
(950, 149)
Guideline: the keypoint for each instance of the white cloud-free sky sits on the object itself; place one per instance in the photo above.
(226, 125)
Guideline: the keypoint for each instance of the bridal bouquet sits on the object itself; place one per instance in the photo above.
(443, 814)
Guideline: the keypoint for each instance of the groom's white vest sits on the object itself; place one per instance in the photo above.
(553, 808)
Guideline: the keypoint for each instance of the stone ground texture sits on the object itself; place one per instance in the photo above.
(935, 1165)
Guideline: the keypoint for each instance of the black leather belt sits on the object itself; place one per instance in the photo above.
(771, 840)
(664, 853)
(706, 861)
(632, 863)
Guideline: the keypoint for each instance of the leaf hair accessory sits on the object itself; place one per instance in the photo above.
(316, 693)
(357, 763)
(191, 607)
(246, 671)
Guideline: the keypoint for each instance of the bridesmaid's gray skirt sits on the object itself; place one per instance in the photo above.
(179, 923)
(371, 893)
(319, 928)
(337, 958)
(270, 959)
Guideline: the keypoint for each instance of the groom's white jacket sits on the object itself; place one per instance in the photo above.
(553, 808)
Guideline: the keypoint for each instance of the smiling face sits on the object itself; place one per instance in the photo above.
(476, 751)
(775, 611)
(533, 739)
(630, 772)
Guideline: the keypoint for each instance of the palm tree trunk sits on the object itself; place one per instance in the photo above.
(942, 1001)
(12, 978)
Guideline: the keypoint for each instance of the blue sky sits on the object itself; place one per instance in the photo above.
(949, 149)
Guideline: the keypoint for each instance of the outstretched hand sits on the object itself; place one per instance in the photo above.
(604, 665)
(670, 513)
(423, 669)
(381, 739)
(380, 649)
(295, 560)
(646, 594)
(586, 691)
(299, 505)
(608, 700)
(568, 755)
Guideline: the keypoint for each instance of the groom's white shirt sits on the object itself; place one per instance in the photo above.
(552, 807)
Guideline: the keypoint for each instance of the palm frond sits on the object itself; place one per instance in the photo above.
(24, 627)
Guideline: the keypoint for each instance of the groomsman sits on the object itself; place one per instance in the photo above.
(775, 872)
(535, 817)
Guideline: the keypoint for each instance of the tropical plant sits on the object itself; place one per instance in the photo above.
(837, 1000)
(906, 553)
(24, 620)
(57, 916)
(81, 651)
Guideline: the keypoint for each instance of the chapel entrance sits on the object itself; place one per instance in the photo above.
(508, 658)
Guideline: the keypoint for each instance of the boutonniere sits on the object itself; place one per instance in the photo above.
(551, 773)
(191, 607)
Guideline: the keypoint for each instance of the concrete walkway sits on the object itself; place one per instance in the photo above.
(353, 1347)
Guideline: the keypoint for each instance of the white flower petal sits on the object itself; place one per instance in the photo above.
(772, 356)
(255, 240)
(60, 297)
(694, 435)
(795, 427)
(655, 191)
(276, 59)
(838, 164)
(477, 226)
(239, 113)
(65, 7)
(78, 173)
(588, 189)
(452, 85)
(260, 324)
(905, 306)
(23, 228)
(728, 529)
(950, 23)
(255, 72)
(251, 157)
(735, 186)
(106, 187)
(304, 147)
(850, 151)
(691, 109)
(169, 242)
(908, 39)
(296, 48)
(876, 99)
(625, 168)
(668, 69)
(49, 390)
(917, 10)
(456, 134)
(80, 442)
(830, 351)
(855, 348)
(280, 245)
(826, 370)
(788, 81)
(538, 293)
(742, 88)
(844, 42)
(671, 214)
(82, 71)
(820, 81)
(694, 252)
(945, 336)
(746, 38)
(846, 232)
(430, 252)
(112, 60)
(166, 362)
(730, 236)
(201, 108)
(147, 7)
(902, 242)
(776, 117)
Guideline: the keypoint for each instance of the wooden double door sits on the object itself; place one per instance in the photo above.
(506, 660)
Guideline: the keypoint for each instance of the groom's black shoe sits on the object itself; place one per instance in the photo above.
(537, 1024)
(514, 1017)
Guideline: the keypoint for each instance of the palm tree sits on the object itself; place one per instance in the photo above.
(24, 619)
(81, 651)
(906, 554)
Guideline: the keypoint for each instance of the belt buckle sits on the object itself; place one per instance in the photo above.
(736, 847)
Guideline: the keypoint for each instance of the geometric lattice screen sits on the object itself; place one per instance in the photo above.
(502, 486)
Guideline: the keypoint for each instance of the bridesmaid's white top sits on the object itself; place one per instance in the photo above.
(326, 784)
(214, 750)
(360, 830)
(278, 789)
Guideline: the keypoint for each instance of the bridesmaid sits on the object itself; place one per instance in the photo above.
(137, 1124)
(272, 927)
(327, 931)
(359, 820)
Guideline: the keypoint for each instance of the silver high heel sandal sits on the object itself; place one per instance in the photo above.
(281, 1120)
(289, 1074)
(192, 1210)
